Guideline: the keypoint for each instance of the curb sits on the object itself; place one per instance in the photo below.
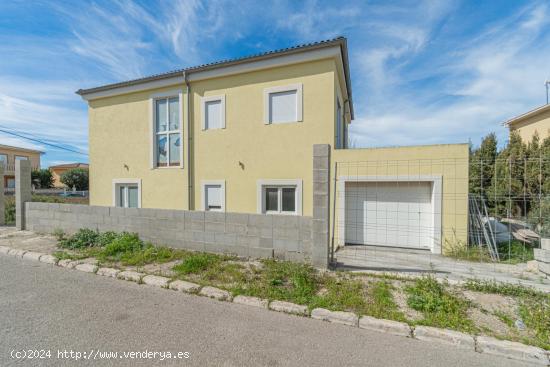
(480, 344)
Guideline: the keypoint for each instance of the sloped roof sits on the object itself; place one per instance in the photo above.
(71, 165)
(526, 115)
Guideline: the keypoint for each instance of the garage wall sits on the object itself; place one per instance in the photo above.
(449, 162)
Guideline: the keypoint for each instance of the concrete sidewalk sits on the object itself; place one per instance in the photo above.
(374, 259)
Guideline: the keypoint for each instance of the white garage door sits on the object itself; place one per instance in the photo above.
(398, 214)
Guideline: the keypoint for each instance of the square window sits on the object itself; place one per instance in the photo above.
(282, 107)
(279, 196)
(213, 195)
(127, 195)
(283, 104)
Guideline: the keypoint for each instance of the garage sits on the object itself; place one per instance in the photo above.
(392, 213)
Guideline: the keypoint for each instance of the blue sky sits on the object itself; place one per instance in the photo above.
(423, 72)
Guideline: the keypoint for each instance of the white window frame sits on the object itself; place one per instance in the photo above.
(117, 182)
(152, 127)
(279, 183)
(205, 100)
(205, 183)
(20, 158)
(285, 88)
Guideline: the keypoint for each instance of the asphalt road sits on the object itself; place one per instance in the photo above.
(43, 307)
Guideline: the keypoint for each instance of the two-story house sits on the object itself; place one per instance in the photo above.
(238, 136)
(10, 154)
(534, 121)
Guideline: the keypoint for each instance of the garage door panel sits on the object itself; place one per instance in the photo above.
(389, 214)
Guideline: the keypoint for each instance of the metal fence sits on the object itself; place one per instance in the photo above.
(403, 214)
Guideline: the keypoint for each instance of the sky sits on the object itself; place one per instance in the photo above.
(423, 72)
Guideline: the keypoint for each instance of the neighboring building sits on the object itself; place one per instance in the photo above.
(8, 156)
(238, 136)
(537, 120)
(59, 169)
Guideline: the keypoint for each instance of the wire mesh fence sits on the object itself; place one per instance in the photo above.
(402, 215)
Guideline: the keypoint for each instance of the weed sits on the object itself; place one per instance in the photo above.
(439, 307)
(59, 234)
(83, 238)
(505, 289)
(123, 244)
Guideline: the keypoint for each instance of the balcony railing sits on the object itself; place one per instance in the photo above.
(10, 168)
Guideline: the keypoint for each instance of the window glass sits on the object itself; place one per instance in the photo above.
(338, 125)
(132, 199)
(174, 114)
(283, 106)
(174, 149)
(289, 199)
(21, 158)
(162, 153)
(213, 197)
(272, 199)
(161, 115)
(3, 160)
(213, 118)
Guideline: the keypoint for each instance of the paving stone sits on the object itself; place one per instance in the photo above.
(87, 268)
(337, 317)
(16, 252)
(216, 293)
(108, 272)
(31, 255)
(182, 285)
(251, 301)
(132, 276)
(156, 281)
(431, 334)
(48, 259)
(288, 307)
(385, 326)
(512, 350)
(4, 249)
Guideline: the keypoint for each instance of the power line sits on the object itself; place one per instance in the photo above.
(42, 142)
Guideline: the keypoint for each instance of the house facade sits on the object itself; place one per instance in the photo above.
(9, 155)
(237, 136)
(529, 123)
(59, 169)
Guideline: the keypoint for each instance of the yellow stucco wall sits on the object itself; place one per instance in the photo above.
(448, 161)
(539, 123)
(120, 139)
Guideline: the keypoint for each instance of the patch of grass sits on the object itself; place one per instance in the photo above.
(197, 263)
(381, 302)
(515, 252)
(438, 305)
(535, 313)
(341, 294)
(125, 243)
(505, 289)
(150, 254)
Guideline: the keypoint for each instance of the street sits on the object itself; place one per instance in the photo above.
(44, 307)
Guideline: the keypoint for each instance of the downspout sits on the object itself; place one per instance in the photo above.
(189, 176)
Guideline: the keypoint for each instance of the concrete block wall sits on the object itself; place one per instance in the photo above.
(248, 235)
(2, 202)
(542, 256)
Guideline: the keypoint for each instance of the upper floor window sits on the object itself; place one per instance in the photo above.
(21, 158)
(283, 104)
(3, 160)
(167, 131)
(213, 112)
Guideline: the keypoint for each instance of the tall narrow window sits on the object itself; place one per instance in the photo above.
(283, 104)
(167, 132)
(4, 161)
(213, 112)
(339, 126)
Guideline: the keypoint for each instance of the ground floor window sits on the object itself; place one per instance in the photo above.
(127, 194)
(280, 197)
(10, 183)
(213, 195)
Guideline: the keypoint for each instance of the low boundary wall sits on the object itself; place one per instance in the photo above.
(249, 235)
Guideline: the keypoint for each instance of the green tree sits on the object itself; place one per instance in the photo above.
(42, 178)
(76, 177)
(482, 164)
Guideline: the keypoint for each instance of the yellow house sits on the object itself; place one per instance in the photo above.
(537, 120)
(8, 156)
(59, 169)
(238, 136)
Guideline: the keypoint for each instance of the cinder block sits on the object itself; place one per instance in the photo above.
(194, 216)
(226, 239)
(542, 255)
(265, 242)
(218, 217)
(321, 175)
(235, 228)
(260, 220)
(236, 218)
(218, 227)
(260, 253)
(321, 150)
(319, 227)
(321, 188)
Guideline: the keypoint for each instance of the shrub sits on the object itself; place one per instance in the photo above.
(82, 239)
(106, 238)
(9, 210)
(123, 243)
(42, 178)
(76, 177)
